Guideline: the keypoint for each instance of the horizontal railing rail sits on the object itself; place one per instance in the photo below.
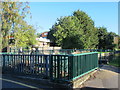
(56, 51)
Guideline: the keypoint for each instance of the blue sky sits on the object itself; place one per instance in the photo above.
(45, 14)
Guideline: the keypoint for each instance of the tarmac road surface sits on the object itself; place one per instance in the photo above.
(12, 84)
(6, 83)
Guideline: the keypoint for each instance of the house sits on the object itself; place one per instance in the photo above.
(42, 40)
(44, 34)
(44, 43)
(116, 40)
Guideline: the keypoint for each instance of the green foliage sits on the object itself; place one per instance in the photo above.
(115, 60)
(102, 34)
(75, 31)
(119, 42)
(106, 39)
(13, 23)
(25, 36)
(38, 34)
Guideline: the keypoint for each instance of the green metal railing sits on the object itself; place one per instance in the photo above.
(56, 51)
(80, 64)
(55, 67)
(25, 64)
(70, 67)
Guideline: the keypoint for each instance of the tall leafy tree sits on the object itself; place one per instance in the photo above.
(76, 31)
(13, 23)
(25, 36)
(119, 41)
(106, 39)
(102, 34)
(110, 41)
(89, 30)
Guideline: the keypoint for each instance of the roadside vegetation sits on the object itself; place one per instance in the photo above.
(115, 61)
(78, 31)
(15, 31)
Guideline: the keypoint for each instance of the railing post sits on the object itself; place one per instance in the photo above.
(97, 59)
(51, 67)
(3, 62)
(70, 71)
(46, 59)
(58, 67)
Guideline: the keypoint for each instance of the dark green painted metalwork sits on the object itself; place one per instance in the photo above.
(57, 67)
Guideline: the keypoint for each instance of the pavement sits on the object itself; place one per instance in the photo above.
(107, 77)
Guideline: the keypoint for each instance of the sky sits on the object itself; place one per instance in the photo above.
(45, 14)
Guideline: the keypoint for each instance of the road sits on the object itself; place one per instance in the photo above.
(12, 83)
(6, 83)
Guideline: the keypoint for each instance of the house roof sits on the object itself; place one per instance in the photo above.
(44, 34)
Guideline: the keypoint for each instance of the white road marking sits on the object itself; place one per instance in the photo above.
(19, 83)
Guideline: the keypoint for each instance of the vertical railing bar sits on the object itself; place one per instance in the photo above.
(38, 64)
(28, 65)
(64, 67)
(77, 66)
(8, 60)
(51, 67)
(41, 63)
(47, 58)
(61, 66)
(58, 67)
(25, 69)
(85, 63)
(15, 63)
(19, 58)
(23, 63)
(44, 62)
(3, 61)
(55, 65)
(35, 65)
(8, 56)
(68, 67)
(80, 65)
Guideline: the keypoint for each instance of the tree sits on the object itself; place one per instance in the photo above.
(102, 34)
(25, 36)
(76, 31)
(118, 42)
(106, 39)
(110, 41)
(13, 23)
